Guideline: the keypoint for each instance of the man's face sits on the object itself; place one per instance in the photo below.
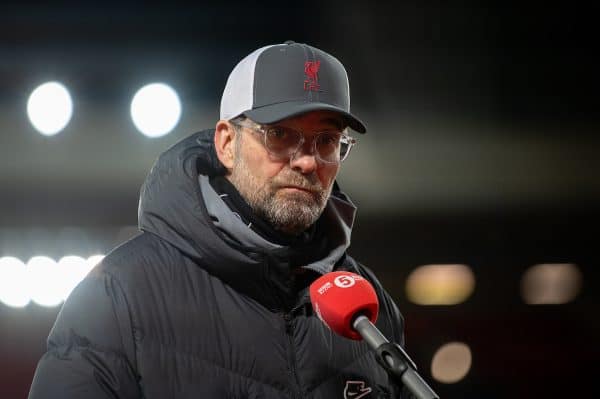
(290, 194)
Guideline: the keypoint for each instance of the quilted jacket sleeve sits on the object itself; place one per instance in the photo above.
(90, 352)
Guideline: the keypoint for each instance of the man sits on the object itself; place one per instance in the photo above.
(211, 299)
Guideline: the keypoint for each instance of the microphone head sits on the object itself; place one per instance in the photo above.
(339, 297)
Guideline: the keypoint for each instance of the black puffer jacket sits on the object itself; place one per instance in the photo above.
(198, 307)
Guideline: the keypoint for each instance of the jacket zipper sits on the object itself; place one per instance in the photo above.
(289, 331)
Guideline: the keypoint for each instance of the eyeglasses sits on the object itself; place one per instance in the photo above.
(283, 142)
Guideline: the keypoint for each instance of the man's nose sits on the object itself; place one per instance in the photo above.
(304, 160)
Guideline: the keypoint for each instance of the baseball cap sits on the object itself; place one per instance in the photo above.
(283, 80)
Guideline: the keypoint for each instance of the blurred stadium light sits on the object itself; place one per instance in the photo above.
(14, 291)
(155, 109)
(451, 362)
(42, 280)
(45, 281)
(551, 284)
(50, 108)
(440, 284)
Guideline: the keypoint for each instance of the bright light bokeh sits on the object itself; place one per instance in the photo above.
(440, 284)
(46, 281)
(42, 280)
(14, 289)
(50, 108)
(155, 109)
(93, 260)
(73, 269)
(551, 284)
(451, 362)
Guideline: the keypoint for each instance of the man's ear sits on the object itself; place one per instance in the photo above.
(225, 143)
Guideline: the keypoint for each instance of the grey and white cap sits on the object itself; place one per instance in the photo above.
(284, 80)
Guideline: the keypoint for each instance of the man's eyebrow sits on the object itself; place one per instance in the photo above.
(333, 121)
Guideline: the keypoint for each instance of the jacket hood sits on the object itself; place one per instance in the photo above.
(173, 206)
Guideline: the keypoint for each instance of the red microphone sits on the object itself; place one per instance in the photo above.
(339, 297)
(348, 305)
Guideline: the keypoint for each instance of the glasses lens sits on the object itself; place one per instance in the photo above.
(332, 147)
(282, 141)
(328, 146)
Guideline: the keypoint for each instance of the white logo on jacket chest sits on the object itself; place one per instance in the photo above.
(356, 390)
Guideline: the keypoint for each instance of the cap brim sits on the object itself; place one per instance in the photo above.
(277, 112)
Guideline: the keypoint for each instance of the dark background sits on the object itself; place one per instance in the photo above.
(482, 150)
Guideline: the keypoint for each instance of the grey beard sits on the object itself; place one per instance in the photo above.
(290, 213)
(291, 216)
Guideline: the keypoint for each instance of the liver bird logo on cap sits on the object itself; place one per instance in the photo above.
(311, 69)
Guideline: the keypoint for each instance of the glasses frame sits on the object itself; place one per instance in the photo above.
(262, 129)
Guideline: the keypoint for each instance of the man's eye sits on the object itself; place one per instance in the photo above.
(329, 139)
(277, 133)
